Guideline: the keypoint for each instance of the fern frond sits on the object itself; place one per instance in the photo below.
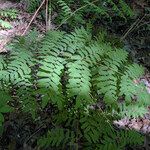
(56, 137)
(50, 43)
(92, 54)
(9, 13)
(125, 8)
(132, 110)
(5, 24)
(32, 5)
(3, 66)
(27, 99)
(91, 126)
(4, 107)
(107, 79)
(128, 86)
(2, 63)
(65, 9)
(117, 140)
(19, 70)
(79, 82)
(77, 40)
(50, 78)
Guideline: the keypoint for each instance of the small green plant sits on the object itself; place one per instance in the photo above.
(32, 5)
(5, 24)
(8, 13)
(5, 15)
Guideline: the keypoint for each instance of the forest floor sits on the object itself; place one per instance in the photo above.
(18, 25)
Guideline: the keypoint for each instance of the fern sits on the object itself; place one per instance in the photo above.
(2, 68)
(70, 72)
(125, 8)
(18, 72)
(72, 13)
(79, 82)
(115, 140)
(76, 55)
(129, 87)
(32, 5)
(57, 137)
(65, 9)
(133, 111)
(92, 127)
(94, 10)
(107, 80)
(49, 77)
(9, 13)
(4, 107)
(5, 24)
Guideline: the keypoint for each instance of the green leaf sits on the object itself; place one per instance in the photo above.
(5, 109)
(5, 24)
(1, 118)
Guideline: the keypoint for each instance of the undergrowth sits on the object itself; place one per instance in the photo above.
(78, 13)
(69, 74)
(5, 16)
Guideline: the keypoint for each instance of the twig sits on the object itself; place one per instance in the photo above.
(143, 24)
(50, 16)
(46, 15)
(74, 13)
(41, 127)
(132, 27)
(33, 17)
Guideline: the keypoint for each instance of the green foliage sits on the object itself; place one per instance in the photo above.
(129, 110)
(65, 9)
(134, 71)
(32, 5)
(118, 140)
(57, 137)
(77, 13)
(91, 9)
(92, 130)
(108, 80)
(69, 72)
(5, 24)
(4, 107)
(9, 13)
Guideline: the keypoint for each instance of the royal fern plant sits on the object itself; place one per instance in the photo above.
(70, 73)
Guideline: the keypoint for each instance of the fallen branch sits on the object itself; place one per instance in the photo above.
(132, 27)
(33, 17)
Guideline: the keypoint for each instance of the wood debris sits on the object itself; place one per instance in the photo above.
(141, 125)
